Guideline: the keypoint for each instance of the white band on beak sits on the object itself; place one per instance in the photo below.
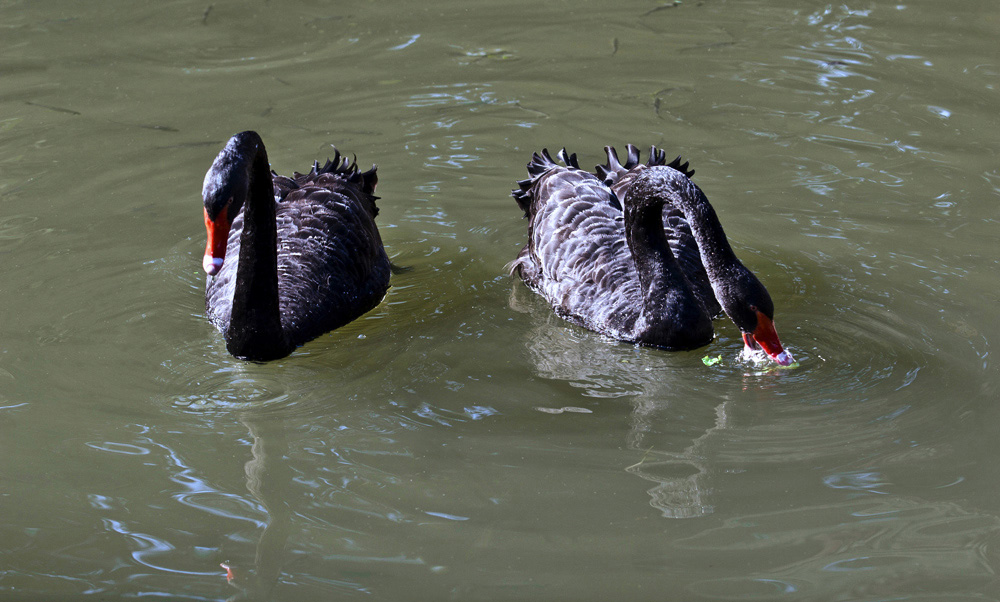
(212, 265)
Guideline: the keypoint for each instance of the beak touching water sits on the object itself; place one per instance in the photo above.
(766, 337)
(218, 238)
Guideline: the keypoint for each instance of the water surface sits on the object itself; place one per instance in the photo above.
(460, 441)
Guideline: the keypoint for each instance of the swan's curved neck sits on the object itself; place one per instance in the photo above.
(647, 240)
(716, 253)
(255, 330)
(671, 314)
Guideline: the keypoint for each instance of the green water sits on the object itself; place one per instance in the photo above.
(461, 442)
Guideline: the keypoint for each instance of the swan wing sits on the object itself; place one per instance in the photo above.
(332, 266)
(576, 256)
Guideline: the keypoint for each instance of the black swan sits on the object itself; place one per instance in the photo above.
(309, 256)
(637, 253)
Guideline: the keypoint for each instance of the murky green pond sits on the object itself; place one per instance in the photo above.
(461, 442)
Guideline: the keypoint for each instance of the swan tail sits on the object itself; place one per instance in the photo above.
(609, 173)
(341, 169)
(676, 163)
(658, 157)
(349, 171)
(523, 267)
(568, 159)
(540, 164)
(522, 195)
(613, 171)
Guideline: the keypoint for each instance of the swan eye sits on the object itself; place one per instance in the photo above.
(226, 209)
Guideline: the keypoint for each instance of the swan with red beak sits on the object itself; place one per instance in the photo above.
(636, 252)
(765, 338)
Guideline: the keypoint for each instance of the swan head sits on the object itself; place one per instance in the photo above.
(223, 192)
(749, 306)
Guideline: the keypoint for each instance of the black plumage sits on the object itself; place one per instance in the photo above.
(310, 257)
(636, 252)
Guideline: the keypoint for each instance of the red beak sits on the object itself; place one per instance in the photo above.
(218, 238)
(767, 338)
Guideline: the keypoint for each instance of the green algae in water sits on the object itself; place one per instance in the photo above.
(711, 361)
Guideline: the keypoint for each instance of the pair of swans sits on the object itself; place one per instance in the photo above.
(635, 252)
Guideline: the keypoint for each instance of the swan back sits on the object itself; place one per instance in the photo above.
(577, 256)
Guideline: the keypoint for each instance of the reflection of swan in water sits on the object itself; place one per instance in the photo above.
(603, 368)
(268, 480)
(676, 494)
